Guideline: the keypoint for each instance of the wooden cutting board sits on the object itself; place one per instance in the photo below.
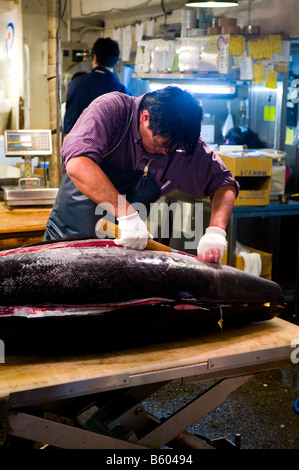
(22, 226)
(20, 373)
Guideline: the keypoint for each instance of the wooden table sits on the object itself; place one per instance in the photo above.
(22, 226)
(231, 356)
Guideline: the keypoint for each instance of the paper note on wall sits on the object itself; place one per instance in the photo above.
(290, 132)
(237, 46)
(271, 79)
(254, 50)
(223, 59)
(260, 49)
(258, 73)
(266, 48)
(280, 68)
(269, 113)
(246, 70)
(275, 40)
(284, 56)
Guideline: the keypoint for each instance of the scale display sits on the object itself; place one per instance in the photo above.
(28, 142)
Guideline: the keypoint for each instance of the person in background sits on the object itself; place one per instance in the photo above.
(84, 88)
(244, 136)
(125, 150)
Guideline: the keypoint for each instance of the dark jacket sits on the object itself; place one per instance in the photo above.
(83, 89)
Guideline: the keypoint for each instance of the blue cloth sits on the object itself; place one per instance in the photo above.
(83, 89)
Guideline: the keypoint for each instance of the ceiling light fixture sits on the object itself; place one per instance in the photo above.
(210, 4)
(215, 88)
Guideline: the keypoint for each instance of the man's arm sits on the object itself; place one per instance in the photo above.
(212, 245)
(222, 205)
(92, 181)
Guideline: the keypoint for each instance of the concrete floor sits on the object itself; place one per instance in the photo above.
(261, 410)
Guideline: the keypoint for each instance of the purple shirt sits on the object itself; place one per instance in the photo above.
(105, 128)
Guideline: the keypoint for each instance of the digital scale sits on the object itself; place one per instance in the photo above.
(28, 144)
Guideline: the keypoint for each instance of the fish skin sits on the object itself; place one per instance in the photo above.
(94, 272)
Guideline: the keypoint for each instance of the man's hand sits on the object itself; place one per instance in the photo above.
(212, 245)
(133, 232)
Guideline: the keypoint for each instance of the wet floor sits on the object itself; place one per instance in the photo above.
(261, 411)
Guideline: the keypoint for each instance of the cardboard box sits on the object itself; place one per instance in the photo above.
(254, 197)
(253, 173)
(266, 262)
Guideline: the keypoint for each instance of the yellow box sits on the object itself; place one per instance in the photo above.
(266, 262)
(253, 173)
(245, 165)
(256, 197)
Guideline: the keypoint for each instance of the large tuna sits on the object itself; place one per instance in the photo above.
(118, 293)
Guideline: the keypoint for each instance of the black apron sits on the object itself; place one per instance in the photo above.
(73, 214)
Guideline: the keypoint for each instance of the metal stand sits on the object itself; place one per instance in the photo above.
(133, 428)
(96, 402)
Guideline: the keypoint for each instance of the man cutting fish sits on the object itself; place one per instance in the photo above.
(136, 150)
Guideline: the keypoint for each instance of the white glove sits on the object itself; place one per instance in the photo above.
(212, 245)
(133, 232)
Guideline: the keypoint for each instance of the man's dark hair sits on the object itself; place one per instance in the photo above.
(106, 51)
(176, 114)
